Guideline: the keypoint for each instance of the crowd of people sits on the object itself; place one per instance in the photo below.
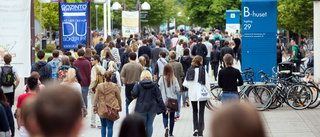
(155, 72)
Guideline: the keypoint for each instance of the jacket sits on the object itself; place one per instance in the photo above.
(107, 93)
(204, 53)
(149, 97)
(170, 92)
(178, 71)
(94, 72)
(201, 75)
(186, 63)
(215, 57)
(47, 76)
(84, 67)
(225, 50)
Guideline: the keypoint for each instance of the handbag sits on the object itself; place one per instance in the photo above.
(203, 94)
(110, 113)
(170, 103)
(132, 106)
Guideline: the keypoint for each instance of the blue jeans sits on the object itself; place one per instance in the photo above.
(148, 121)
(152, 67)
(228, 97)
(165, 121)
(207, 63)
(185, 97)
(104, 124)
(179, 104)
(128, 101)
(85, 95)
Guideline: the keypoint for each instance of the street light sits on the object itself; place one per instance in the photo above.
(116, 6)
(97, 6)
(145, 6)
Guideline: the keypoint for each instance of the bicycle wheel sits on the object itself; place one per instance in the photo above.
(309, 71)
(315, 96)
(276, 100)
(302, 69)
(299, 97)
(259, 97)
(215, 102)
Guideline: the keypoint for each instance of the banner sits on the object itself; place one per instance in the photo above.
(130, 23)
(259, 35)
(74, 24)
(15, 34)
(164, 27)
(232, 21)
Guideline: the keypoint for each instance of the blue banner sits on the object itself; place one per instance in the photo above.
(74, 24)
(232, 16)
(259, 35)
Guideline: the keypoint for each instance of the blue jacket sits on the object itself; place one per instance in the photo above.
(149, 97)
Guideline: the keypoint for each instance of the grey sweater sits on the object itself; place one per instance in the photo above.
(171, 91)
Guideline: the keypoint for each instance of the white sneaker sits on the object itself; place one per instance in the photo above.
(195, 133)
(93, 126)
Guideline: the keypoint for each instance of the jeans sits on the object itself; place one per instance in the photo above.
(152, 67)
(228, 97)
(165, 121)
(128, 101)
(85, 95)
(198, 124)
(148, 121)
(129, 98)
(185, 97)
(177, 114)
(215, 67)
(104, 124)
(298, 63)
(207, 63)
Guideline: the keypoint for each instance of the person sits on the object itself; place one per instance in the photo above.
(124, 57)
(78, 76)
(4, 124)
(225, 50)
(209, 49)
(167, 41)
(99, 46)
(29, 118)
(9, 79)
(40, 88)
(170, 88)
(215, 58)
(129, 40)
(294, 56)
(107, 93)
(32, 85)
(58, 112)
(107, 59)
(153, 37)
(146, 31)
(57, 43)
(71, 81)
(248, 125)
(142, 62)
(104, 51)
(96, 70)
(237, 43)
(186, 63)
(149, 100)
(174, 42)
(115, 53)
(87, 54)
(150, 44)
(144, 49)
(158, 69)
(122, 49)
(179, 74)
(179, 49)
(42, 67)
(63, 68)
(193, 35)
(118, 43)
(155, 54)
(133, 126)
(115, 74)
(196, 76)
(201, 50)
(183, 37)
(84, 67)
(128, 78)
(280, 52)
(9, 118)
(229, 79)
(55, 62)
(217, 38)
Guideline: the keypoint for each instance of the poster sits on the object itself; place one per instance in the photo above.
(130, 23)
(232, 21)
(74, 24)
(15, 34)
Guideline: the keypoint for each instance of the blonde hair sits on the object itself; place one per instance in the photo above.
(134, 47)
(142, 61)
(105, 50)
(146, 75)
(172, 55)
(71, 76)
(111, 66)
(231, 43)
(237, 36)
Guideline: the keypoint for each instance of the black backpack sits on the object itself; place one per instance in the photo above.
(217, 40)
(41, 71)
(199, 50)
(125, 59)
(114, 78)
(99, 49)
(7, 76)
(301, 52)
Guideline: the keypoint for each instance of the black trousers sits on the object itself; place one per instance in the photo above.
(214, 67)
(298, 63)
(10, 97)
(128, 89)
(198, 122)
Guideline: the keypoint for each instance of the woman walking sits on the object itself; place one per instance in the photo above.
(186, 63)
(169, 87)
(149, 100)
(197, 77)
(107, 94)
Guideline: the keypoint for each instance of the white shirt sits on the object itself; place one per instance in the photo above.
(209, 47)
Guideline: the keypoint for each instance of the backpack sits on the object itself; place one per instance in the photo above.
(114, 78)
(108, 60)
(125, 59)
(301, 52)
(217, 40)
(41, 71)
(199, 50)
(99, 49)
(99, 79)
(54, 66)
(62, 73)
(7, 76)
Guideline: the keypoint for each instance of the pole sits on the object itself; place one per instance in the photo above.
(104, 21)
(40, 26)
(60, 25)
(109, 18)
(138, 9)
(316, 34)
(97, 18)
(32, 33)
(88, 43)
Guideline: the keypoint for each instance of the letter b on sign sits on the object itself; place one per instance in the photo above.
(246, 12)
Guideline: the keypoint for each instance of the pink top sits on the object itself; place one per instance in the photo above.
(174, 42)
(41, 87)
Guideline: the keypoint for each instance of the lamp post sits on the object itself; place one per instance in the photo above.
(97, 6)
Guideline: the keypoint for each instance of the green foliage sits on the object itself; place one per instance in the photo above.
(50, 48)
(296, 15)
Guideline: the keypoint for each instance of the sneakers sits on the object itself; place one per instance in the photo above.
(183, 106)
(167, 132)
(99, 127)
(195, 133)
(176, 118)
(187, 102)
(93, 126)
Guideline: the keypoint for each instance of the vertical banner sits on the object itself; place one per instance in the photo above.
(164, 27)
(259, 35)
(130, 23)
(15, 34)
(232, 21)
(172, 26)
(74, 24)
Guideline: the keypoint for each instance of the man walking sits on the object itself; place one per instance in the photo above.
(144, 49)
(201, 50)
(42, 67)
(294, 56)
(209, 49)
(54, 63)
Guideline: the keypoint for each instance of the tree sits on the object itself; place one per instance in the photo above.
(296, 15)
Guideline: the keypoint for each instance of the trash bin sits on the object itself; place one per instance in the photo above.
(285, 69)
(44, 43)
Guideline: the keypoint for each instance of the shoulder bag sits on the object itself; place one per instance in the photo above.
(170, 103)
(109, 112)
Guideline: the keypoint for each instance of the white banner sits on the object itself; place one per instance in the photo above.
(130, 23)
(232, 28)
(15, 34)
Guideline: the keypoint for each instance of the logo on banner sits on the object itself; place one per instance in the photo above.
(232, 15)
(7, 50)
(247, 13)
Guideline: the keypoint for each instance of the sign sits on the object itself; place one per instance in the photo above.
(130, 23)
(15, 34)
(259, 35)
(232, 21)
(74, 24)
(164, 27)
